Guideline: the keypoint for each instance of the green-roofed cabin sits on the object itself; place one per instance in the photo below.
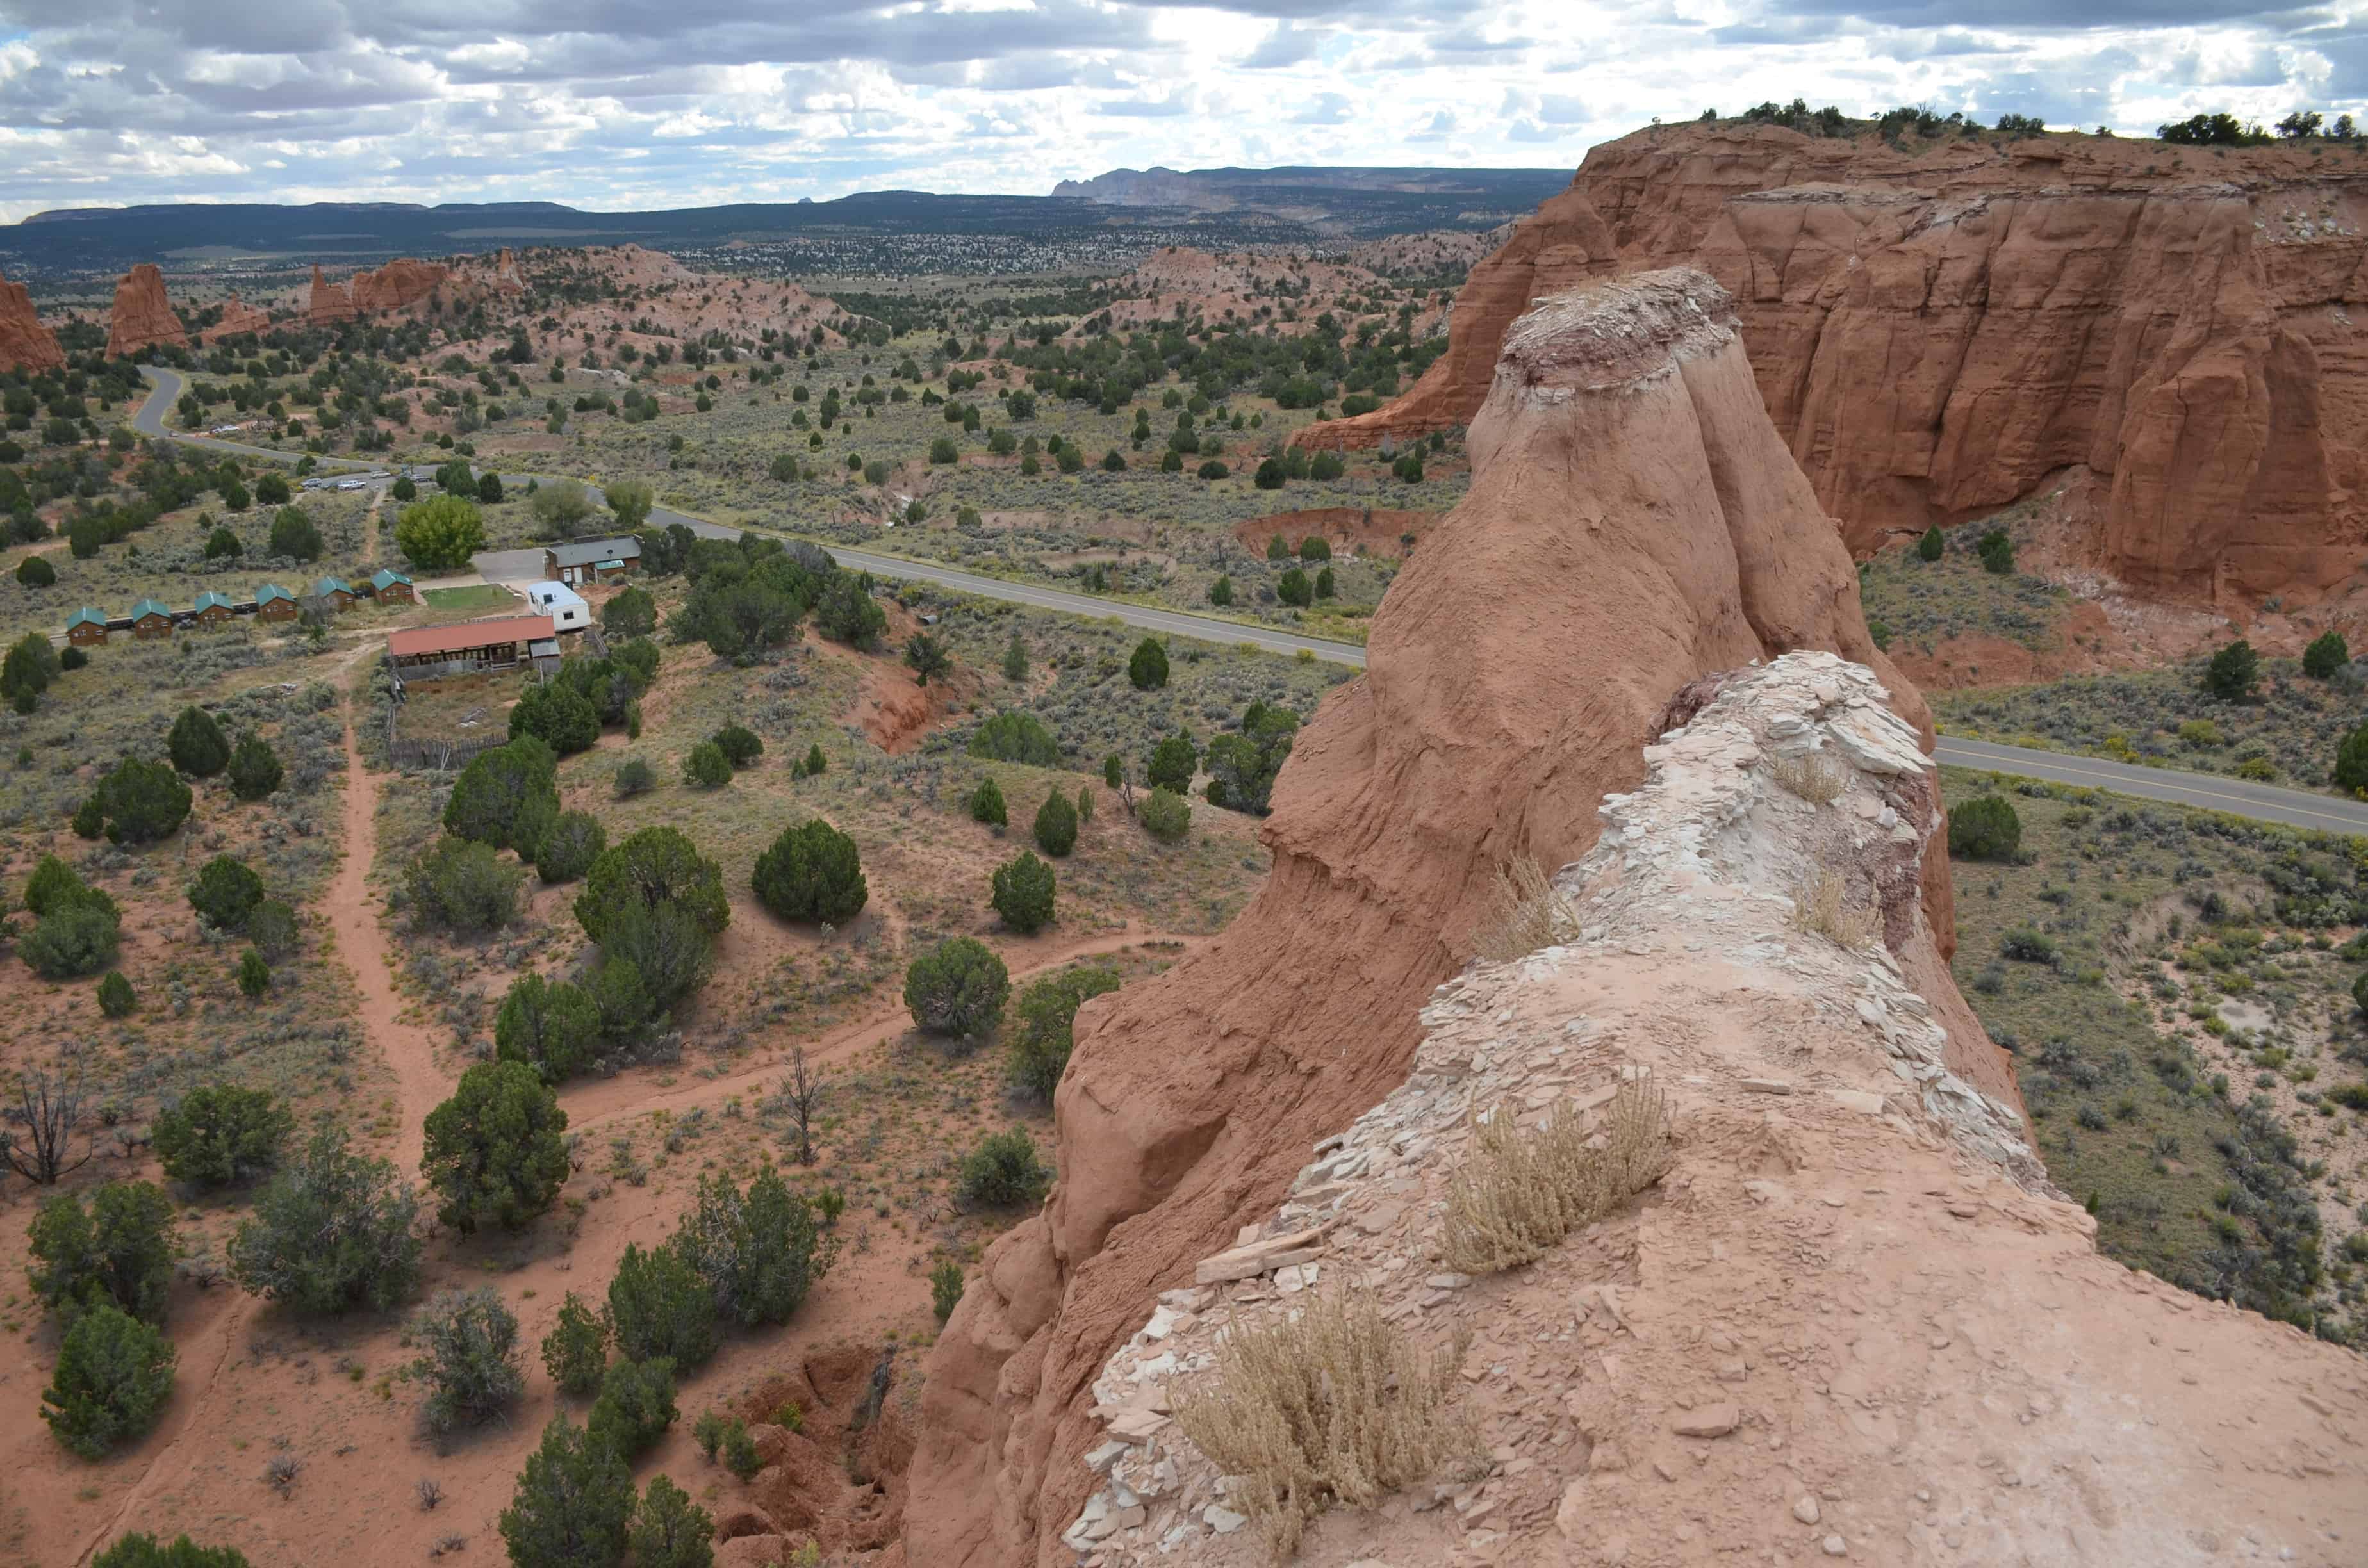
(84, 626)
(334, 593)
(392, 587)
(273, 602)
(151, 618)
(214, 609)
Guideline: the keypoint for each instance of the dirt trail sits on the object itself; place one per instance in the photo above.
(593, 1105)
(408, 1049)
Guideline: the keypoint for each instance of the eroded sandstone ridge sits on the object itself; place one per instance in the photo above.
(1635, 524)
(143, 318)
(238, 317)
(1939, 331)
(1851, 1319)
(405, 281)
(25, 343)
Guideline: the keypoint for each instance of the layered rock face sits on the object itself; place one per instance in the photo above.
(25, 343)
(1635, 524)
(405, 282)
(238, 317)
(1850, 1319)
(1938, 333)
(143, 318)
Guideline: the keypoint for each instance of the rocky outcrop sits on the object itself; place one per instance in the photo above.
(1849, 1319)
(143, 318)
(328, 304)
(1633, 525)
(238, 318)
(1938, 333)
(25, 343)
(399, 285)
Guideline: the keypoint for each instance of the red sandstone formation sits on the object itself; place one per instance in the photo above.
(329, 302)
(1635, 524)
(143, 318)
(1939, 331)
(401, 283)
(25, 343)
(237, 317)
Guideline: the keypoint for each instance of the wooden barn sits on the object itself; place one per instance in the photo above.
(466, 647)
(214, 610)
(273, 602)
(86, 627)
(151, 618)
(391, 588)
(592, 559)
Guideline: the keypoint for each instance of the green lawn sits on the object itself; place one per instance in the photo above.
(475, 596)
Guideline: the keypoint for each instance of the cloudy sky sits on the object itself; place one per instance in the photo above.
(660, 103)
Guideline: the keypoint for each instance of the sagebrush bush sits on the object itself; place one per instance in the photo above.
(1984, 828)
(1812, 776)
(1823, 908)
(331, 1231)
(1526, 913)
(1333, 1405)
(1519, 1192)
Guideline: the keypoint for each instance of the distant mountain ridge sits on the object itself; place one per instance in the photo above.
(1297, 186)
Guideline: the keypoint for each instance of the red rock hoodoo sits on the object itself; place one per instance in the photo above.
(1635, 524)
(25, 343)
(143, 318)
(402, 282)
(237, 317)
(1939, 333)
(329, 303)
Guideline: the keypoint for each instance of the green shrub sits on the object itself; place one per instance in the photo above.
(574, 1503)
(945, 1289)
(1295, 588)
(558, 715)
(1172, 764)
(441, 532)
(1929, 545)
(1996, 550)
(1023, 893)
(1002, 1171)
(635, 1407)
(707, 766)
(331, 1231)
(2232, 671)
(740, 744)
(812, 872)
(254, 771)
(760, 1253)
(117, 1253)
(1244, 766)
(222, 1133)
(1984, 828)
(197, 744)
(468, 1357)
(1166, 815)
(575, 1351)
(1147, 669)
(569, 845)
(225, 892)
(670, 1530)
(957, 989)
(27, 668)
(1221, 592)
(75, 939)
(985, 803)
(145, 1552)
(294, 535)
(115, 995)
(1012, 736)
(634, 777)
(141, 801)
(2026, 945)
(496, 1150)
(816, 764)
(707, 1432)
(632, 613)
(35, 572)
(253, 974)
(659, 1306)
(547, 1025)
(2327, 653)
(739, 1451)
(506, 797)
(1042, 1034)
(462, 884)
(1056, 824)
(113, 1376)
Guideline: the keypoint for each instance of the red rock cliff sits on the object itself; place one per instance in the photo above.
(25, 343)
(329, 302)
(1938, 332)
(143, 318)
(1634, 523)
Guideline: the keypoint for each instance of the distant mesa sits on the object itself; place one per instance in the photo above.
(25, 343)
(143, 318)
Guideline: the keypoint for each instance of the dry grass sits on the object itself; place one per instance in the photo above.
(1521, 1192)
(1334, 1405)
(1823, 909)
(1812, 776)
(1527, 913)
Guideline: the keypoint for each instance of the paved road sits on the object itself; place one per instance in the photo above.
(2238, 797)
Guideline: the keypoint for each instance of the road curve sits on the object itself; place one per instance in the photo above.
(2237, 797)
(2209, 791)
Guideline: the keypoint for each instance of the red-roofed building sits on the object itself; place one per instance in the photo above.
(466, 647)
